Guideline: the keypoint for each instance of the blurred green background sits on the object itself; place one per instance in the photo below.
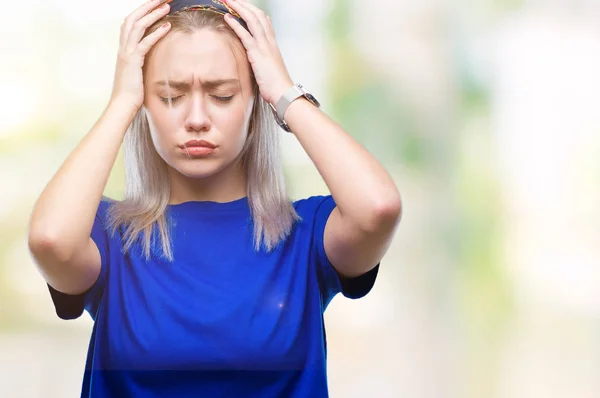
(485, 113)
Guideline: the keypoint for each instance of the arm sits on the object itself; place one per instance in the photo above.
(62, 218)
(361, 227)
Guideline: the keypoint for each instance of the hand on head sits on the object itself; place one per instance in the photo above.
(128, 87)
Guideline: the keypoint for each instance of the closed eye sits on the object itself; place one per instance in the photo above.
(223, 99)
(172, 100)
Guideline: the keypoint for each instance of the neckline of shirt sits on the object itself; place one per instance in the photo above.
(239, 204)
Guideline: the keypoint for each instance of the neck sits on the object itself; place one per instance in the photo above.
(225, 186)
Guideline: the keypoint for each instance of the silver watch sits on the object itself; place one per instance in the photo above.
(292, 94)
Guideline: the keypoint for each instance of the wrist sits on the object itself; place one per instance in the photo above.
(292, 94)
(298, 113)
(122, 106)
(120, 111)
(280, 91)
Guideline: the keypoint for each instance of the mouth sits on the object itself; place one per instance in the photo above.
(198, 144)
(195, 148)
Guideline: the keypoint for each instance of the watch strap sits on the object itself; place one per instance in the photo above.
(291, 94)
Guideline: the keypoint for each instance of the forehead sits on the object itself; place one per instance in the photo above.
(203, 54)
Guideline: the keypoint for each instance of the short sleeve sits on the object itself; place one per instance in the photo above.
(72, 306)
(329, 280)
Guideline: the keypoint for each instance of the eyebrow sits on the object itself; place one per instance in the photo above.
(177, 85)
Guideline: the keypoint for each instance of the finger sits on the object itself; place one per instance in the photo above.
(153, 38)
(141, 10)
(139, 27)
(144, 9)
(271, 28)
(247, 40)
(256, 28)
(262, 17)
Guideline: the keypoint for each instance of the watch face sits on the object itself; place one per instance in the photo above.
(312, 99)
(308, 95)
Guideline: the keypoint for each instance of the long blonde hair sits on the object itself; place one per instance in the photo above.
(147, 186)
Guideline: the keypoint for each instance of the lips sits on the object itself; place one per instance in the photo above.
(199, 144)
(196, 149)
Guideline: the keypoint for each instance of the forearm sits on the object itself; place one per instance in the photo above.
(363, 190)
(63, 216)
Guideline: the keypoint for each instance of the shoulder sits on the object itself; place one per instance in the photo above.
(107, 201)
(313, 204)
(103, 213)
(105, 204)
(314, 211)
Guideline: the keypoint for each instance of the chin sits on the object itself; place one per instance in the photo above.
(198, 168)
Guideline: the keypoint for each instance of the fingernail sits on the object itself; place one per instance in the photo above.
(165, 25)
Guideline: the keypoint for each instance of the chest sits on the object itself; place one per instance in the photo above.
(213, 309)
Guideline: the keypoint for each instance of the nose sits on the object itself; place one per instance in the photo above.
(197, 118)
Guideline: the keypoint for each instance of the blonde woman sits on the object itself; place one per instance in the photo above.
(206, 280)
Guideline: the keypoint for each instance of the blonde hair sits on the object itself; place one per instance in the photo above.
(147, 187)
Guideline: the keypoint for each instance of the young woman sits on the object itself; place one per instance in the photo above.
(206, 280)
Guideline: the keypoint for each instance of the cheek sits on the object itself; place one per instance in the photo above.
(238, 120)
(159, 125)
(232, 123)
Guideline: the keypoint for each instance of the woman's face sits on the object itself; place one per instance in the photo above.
(198, 88)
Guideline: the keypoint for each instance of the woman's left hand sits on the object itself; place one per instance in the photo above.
(264, 55)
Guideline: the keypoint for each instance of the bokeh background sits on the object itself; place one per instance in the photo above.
(487, 114)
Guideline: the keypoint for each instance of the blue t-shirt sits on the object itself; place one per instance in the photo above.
(222, 320)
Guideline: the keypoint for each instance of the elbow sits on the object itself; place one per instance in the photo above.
(390, 211)
(39, 241)
(385, 214)
(42, 244)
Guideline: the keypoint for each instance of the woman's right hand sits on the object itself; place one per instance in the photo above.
(128, 87)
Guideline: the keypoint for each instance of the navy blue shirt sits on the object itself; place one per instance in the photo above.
(221, 320)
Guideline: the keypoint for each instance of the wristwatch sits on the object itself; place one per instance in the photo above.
(292, 94)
